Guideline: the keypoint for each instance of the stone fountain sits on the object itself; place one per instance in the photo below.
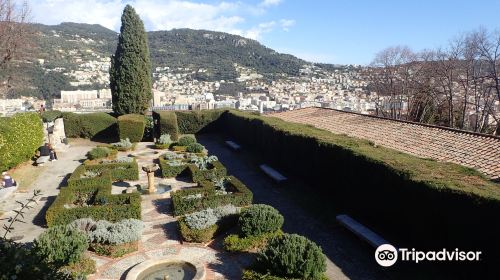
(150, 170)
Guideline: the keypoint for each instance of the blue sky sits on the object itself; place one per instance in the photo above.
(331, 31)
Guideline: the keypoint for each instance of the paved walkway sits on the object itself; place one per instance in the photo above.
(160, 239)
(48, 182)
(348, 258)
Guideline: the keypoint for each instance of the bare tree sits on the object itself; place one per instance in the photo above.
(14, 34)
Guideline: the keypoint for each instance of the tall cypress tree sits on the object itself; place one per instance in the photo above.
(130, 72)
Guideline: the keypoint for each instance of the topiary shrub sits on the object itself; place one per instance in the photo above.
(131, 126)
(61, 245)
(292, 255)
(166, 122)
(259, 219)
(95, 126)
(50, 116)
(186, 140)
(20, 136)
(99, 152)
(195, 148)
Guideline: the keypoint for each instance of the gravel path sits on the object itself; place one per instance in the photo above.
(348, 257)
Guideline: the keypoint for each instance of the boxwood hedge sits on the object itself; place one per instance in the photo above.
(419, 201)
(119, 171)
(95, 126)
(216, 170)
(191, 122)
(101, 205)
(165, 122)
(76, 180)
(207, 197)
(169, 171)
(131, 126)
(20, 136)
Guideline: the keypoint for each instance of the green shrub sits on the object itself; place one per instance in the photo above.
(215, 170)
(292, 255)
(20, 136)
(78, 178)
(148, 130)
(124, 145)
(124, 231)
(19, 261)
(163, 142)
(191, 122)
(81, 268)
(195, 148)
(114, 250)
(50, 116)
(95, 126)
(172, 168)
(249, 274)
(166, 123)
(92, 198)
(258, 219)
(186, 140)
(98, 152)
(61, 245)
(204, 225)
(235, 243)
(131, 126)
(120, 171)
(196, 235)
(370, 182)
(205, 196)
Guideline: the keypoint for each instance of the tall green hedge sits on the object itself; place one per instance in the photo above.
(131, 126)
(95, 126)
(191, 122)
(166, 123)
(20, 136)
(417, 201)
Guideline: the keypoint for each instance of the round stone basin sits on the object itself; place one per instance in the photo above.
(166, 269)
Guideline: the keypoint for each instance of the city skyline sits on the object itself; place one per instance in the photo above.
(341, 32)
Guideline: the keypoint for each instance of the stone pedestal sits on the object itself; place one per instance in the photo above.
(150, 170)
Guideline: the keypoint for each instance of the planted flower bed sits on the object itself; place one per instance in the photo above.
(121, 169)
(207, 195)
(206, 168)
(172, 164)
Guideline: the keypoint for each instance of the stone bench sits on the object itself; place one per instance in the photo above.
(233, 145)
(6, 192)
(271, 172)
(361, 231)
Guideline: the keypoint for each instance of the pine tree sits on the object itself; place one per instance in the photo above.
(130, 72)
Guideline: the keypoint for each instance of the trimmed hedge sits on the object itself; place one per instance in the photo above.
(235, 243)
(414, 201)
(50, 116)
(191, 122)
(216, 170)
(95, 126)
(196, 235)
(20, 136)
(76, 180)
(166, 123)
(119, 171)
(240, 196)
(131, 126)
(168, 171)
(102, 205)
(259, 219)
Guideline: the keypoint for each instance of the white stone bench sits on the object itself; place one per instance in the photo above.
(361, 231)
(6, 192)
(41, 160)
(271, 172)
(233, 145)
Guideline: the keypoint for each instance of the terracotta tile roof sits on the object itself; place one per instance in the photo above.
(479, 151)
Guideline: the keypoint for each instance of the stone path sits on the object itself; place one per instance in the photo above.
(49, 181)
(348, 257)
(160, 238)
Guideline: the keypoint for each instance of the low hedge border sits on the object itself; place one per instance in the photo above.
(241, 196)
(114, 250)
(235, 243)
(168, 171)
(104, 205)
(119, 171)
(216, 170)
(205, 235)
(75, 180)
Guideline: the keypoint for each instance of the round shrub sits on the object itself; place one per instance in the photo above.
(195, 148)
(186, 140)
(61, 245)
(98, 152)
(258, 219)
(292, 255)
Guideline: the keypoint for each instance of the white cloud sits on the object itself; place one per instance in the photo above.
(223, 16)
(286, 24)
(268, 3)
